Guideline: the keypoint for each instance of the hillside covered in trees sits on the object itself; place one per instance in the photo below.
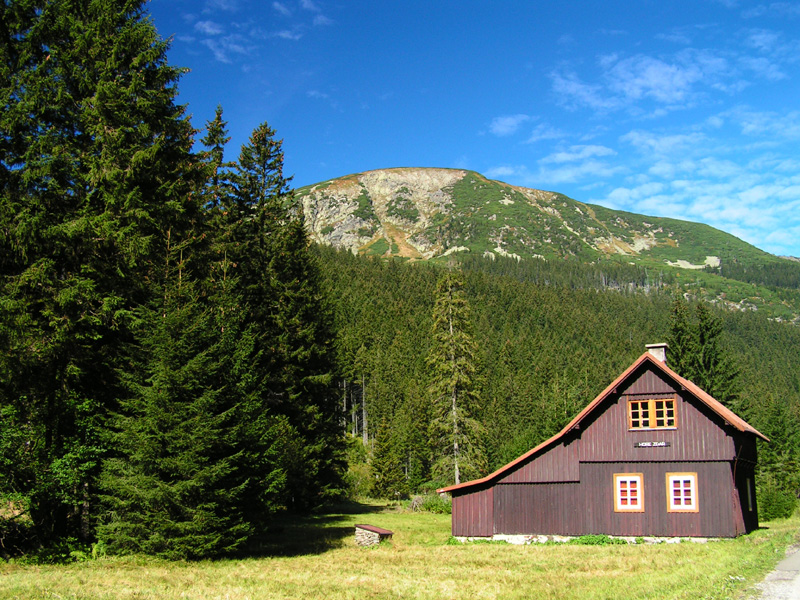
(547, 341)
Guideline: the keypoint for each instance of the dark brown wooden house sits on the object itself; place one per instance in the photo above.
(652, 455)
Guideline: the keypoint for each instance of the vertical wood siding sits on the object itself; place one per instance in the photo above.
(588, 507)
(556, 463)
(473, 514)
(700, 434)
(539, 508)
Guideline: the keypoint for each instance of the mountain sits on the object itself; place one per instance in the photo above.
(422, 214)
(431, 214)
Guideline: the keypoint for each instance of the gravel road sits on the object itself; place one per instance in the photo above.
(784, 582)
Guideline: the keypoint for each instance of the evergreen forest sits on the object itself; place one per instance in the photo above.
(179, 364)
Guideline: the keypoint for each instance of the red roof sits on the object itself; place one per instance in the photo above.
(715, 405)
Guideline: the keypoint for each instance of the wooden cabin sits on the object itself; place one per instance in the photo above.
(652, 455)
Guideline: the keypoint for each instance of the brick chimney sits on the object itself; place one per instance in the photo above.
(659, 351)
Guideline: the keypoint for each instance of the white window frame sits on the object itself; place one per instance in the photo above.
(622, 483)
(682, 478)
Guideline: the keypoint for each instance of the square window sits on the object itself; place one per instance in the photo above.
(628, 492)
(682, 492)
(658, 413)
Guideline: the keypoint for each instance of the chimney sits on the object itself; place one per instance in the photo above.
(659, 351)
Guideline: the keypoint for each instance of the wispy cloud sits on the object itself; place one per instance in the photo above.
(289, 35)
(654, 86)
(577, 153)
(574, 93)
(578, 172)
(208, 27)
(282, 9)
(659, 145)
(224, 5)
(505, 171)
(767, 123)
(782, 9)
(646, 77)
(507, 125)
(545, 132)
(224, 48)
(322, 20)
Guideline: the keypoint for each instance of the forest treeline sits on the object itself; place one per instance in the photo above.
(549, 338)
(178, 363)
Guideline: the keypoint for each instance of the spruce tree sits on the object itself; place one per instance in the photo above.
(696, 352)
(170, 487)
(95, 168)
(456, 438)
(389, 480)
(278, 285)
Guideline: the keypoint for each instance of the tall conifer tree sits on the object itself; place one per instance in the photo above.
(696, 352)
(95, 168)
(456, 437)
(279, 288)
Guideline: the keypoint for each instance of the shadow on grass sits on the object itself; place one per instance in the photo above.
(298, 535)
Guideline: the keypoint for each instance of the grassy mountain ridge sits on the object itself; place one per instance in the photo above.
(436, 212)
(432, 214)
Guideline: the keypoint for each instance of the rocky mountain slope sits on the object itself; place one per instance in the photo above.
(422, 214)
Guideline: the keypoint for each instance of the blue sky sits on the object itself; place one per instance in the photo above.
(686, 109)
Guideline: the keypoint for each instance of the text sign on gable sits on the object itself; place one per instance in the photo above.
(651, 445)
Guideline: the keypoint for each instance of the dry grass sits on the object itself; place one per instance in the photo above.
(319, 559)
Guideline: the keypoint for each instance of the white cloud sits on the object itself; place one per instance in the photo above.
(762, 39)
(645, 77)
(762, 67)
(577, 153)
(590, 169)
(768, 123)
(225, 5)
(507, 125)
(623, 196)
(573, 93)
(309, 5)
(289, 35)
(505, 171)
(661, 145)
(322, 20)
(282, 9)
(208, 27)
(224, 47)
(545, 132)
(773, 9)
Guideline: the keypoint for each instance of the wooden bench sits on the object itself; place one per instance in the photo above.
(369, 535)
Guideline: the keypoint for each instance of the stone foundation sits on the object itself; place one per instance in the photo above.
(369, 535)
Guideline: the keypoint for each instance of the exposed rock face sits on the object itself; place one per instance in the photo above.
(396, 205)
(427, 213)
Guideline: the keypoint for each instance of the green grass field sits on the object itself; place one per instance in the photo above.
(317, 558)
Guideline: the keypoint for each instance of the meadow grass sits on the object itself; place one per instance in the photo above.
(317, 558)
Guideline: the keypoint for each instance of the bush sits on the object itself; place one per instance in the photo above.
(597, 540)
(432, 503)
(775, 502)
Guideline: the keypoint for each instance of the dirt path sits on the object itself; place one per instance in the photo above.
(784, 582)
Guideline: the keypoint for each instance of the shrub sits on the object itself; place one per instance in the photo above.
(597, 540)
(432, 503)
(775, 502)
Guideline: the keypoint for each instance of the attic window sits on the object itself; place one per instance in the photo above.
(658, 413)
